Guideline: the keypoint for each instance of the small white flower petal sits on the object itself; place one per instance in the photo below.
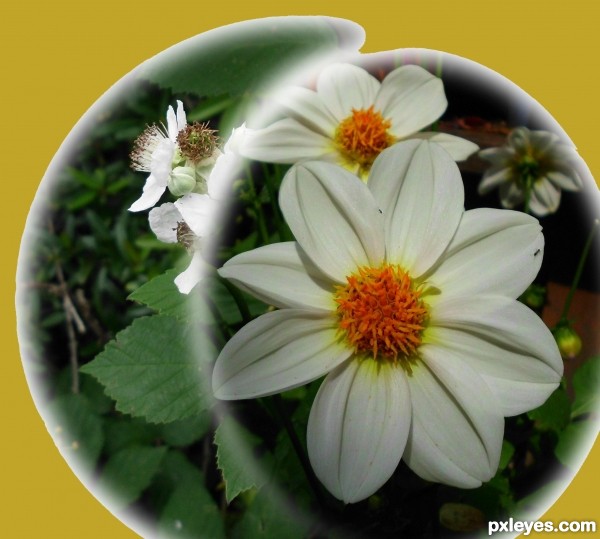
(333, 217)
(307, 108)
(493, 177)
(285, 141)
(199, 212)
(282, 275)
(358, 426)
(493, 252)
(343, 87)
(511, 195)
(278, 351)
(172, 129)
(506, 343)
(412, 98)
(193, 274)
(459, 148)
(181, 118)
(163, 221)
(162, 160)
(419, 189)
(153, 190)
(498, 156)
(545, 198)
(565, 178)
(457, 429)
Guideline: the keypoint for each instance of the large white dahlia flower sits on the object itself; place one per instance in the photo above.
(407, 304)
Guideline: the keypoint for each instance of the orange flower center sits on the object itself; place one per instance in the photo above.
(381, 313)
(363, 135)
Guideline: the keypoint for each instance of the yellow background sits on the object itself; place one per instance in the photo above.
(59, 57)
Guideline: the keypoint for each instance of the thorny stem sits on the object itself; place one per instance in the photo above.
(578, 272)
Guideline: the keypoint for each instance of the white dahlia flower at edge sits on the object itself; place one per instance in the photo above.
(406, 304)
(352, 117)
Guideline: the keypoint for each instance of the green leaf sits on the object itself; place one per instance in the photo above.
(175, 470)
(586, 384)
(508, 450)
(126, 431)
(186, 431)
(240, 469)
(162, 295)
(571, 441)
(130, 471)
(152, 371)
(268, 518)
(76, 428)
(555, 413)
(191, 513)
(215, 64)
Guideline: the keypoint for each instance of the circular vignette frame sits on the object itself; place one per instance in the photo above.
(351, 38)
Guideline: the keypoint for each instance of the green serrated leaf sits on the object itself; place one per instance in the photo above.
(240, 469)
(152, 371)
(130, 471)
(586, 384)
(162, 295)
(191, 513)
(215, 64)
(555, 413)
(76, 428)
(268, 518)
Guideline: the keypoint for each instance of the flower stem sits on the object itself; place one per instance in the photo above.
(579, 271)
(528, 186)
(280, 412)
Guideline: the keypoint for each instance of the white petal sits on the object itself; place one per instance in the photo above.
(333, 217)
(199, 212)
(412, 98)
(506, 343)
(189, 278)
(343, 87)
(498, 156)
(358, 427)
(418, 187)
(510, 195)
(457, 430)
(162, 160)
(171, 124)
(278, 351)
(282, 275)
(153, 190)
(285, 141)
(459, 148)
(163, 222)
(493, 252)
(493, 177)
(181, 118)
(307, 108)
(545, 198)
(567, 179)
